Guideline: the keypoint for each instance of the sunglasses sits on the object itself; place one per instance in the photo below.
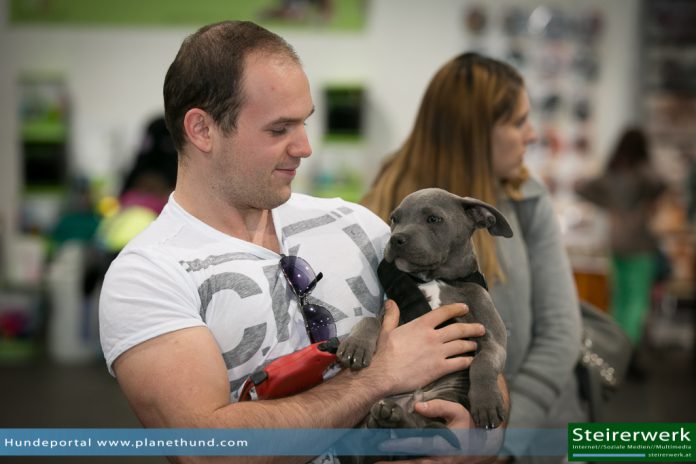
(319, 322)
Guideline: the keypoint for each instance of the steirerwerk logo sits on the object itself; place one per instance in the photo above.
(633, 442)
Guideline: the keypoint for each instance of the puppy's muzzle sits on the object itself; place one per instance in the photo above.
(398, 241)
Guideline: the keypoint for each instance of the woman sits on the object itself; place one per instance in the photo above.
(470, 137)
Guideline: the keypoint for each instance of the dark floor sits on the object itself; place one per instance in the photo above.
(47, 396)
(666, 394)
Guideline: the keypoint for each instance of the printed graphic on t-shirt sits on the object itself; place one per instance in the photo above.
(236, 287)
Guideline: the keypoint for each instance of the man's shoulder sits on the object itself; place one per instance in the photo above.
(159, 232)
(303, 203)
(147, 250)
(171, 236)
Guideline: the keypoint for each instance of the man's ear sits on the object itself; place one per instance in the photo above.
(197, 125)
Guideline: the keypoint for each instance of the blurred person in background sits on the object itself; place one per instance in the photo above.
(690, 187)
(154, 171)
(145, 190)
(470, 136)
(628, 190)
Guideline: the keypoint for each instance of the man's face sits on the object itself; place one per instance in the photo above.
(510, 139)
(256, 163)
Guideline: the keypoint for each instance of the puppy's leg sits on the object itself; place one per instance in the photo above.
(357, 349)
(392, 414)
(485, 397)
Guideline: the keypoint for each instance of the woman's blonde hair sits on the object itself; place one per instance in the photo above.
(450, 144)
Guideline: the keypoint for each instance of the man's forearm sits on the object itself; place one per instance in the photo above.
(164, 395)
(341, 402)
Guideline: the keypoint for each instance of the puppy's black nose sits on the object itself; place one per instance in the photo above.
(398, 240)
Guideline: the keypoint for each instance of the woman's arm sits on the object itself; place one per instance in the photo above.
(556, 325)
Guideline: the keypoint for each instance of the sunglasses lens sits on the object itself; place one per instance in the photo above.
(320, 323)
(299, 274)
(318, 320)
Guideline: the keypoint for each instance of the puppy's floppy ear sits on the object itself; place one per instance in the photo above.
(486, 216)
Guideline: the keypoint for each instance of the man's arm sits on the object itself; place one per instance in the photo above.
(458, 419)
(179, 380)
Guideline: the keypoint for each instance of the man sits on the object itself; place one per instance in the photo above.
(198, 302)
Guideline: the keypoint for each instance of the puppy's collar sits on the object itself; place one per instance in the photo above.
(475, 278)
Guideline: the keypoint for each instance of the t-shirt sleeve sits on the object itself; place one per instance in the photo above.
(142, 298)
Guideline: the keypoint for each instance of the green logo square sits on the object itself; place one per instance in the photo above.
(632, 442)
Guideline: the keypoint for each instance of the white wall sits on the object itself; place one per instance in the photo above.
(115, 76)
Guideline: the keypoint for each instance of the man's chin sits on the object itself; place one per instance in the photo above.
(270, 199)
(285, 194)
(281, 197)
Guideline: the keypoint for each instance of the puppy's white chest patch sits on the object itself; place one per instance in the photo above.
(431, 290)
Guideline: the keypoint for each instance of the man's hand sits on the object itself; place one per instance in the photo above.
(481, 446)
(411, 356)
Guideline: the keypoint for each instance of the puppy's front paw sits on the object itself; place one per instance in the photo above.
(355, 353)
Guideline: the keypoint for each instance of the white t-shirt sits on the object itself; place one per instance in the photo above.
(182, 273)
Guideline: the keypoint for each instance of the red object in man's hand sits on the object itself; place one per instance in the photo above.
(293, 373)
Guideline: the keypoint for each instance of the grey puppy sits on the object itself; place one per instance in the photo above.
(430, 241)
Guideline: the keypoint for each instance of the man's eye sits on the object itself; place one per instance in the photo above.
(432, 219)
(278, 132)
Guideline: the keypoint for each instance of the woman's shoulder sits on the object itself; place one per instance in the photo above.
(533, 188)
(534, 206)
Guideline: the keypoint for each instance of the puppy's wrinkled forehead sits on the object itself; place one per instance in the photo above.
(426, 201)
(440, 207)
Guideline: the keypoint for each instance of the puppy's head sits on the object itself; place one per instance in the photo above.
(431, 232)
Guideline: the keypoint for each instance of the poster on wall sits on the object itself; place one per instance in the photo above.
(669, 66)
(557, 50)
(323, 14)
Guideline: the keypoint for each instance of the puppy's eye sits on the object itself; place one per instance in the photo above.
(393, 219)
(432, 219)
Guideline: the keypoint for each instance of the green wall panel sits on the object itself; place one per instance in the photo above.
(326, 14)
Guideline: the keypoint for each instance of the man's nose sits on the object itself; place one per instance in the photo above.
(300, 146)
